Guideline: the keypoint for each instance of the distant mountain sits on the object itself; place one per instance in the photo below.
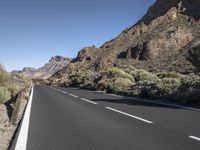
(55, 64)
(167, 38)
(24, 70)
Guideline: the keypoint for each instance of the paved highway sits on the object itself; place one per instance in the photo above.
(75, 119)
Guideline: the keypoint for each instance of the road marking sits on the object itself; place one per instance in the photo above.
(88, 101)
(64, 92)
(23, 133)
(73, 95)
(195, 138)
(141, 119)
(99, 92)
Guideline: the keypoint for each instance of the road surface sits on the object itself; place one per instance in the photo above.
(75, 119)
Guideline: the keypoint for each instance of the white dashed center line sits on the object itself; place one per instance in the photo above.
(195, 138)
(73, 95)
(88, 101)
(141, 119)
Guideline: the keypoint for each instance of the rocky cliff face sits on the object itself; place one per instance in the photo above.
(55, 64)
(161, 7)
(160, 41)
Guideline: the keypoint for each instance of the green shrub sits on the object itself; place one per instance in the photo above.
(116, 72)
(14, 89)
(4, 76)
(141, 75)
(155, 89)
(120, 85)
(4, 94)
(190, 81)
(11, 84)
(104, 84)
(169, 86)
(82, 78)
(146, 88)
(127, 68)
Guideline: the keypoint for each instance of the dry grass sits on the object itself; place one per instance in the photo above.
(10, 84)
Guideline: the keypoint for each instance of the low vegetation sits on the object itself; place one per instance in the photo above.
(130, 81)
(11, 84)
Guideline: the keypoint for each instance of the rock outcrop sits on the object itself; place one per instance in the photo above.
(161, 7)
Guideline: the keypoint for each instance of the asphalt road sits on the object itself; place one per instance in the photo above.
(75, 119)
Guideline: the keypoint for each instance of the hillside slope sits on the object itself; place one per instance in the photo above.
(158, 57)
(160, 41)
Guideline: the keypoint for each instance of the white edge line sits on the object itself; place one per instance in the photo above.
(115, 95)
(23, 133)
(73, 95)
(64, 92)
(88, 101)
(99, 92)
(195, 138)
(141, 119)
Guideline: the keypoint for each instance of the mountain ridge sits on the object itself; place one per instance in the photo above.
(55, 64)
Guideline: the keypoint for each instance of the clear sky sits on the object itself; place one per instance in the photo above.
(32, 31)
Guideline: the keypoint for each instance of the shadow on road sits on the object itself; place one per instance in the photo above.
(135, 103)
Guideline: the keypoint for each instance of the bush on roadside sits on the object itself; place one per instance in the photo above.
(120, 85)
(11, 84)
(104, 84)
(4, 76)
(118, 73)
(81, 78)
(141, 75)
(4, 94)
(169, 86)
(115, 80)
(192, 81)
(155, 89)
(146, 88)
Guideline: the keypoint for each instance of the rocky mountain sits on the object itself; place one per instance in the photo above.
(165, 39)
(55, 64)
(24, 70)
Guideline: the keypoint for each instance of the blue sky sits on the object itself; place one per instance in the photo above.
(32, 31)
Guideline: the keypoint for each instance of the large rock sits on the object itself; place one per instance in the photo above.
(155, 47)
(85, 54)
